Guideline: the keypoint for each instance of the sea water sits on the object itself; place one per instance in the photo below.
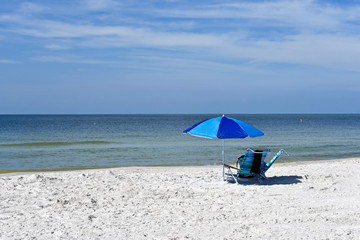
(40, 142)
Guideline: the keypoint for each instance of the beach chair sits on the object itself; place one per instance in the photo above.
(252, 164)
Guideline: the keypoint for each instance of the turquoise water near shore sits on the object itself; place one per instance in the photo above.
(33, 142)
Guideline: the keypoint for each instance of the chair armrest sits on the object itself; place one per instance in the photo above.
(231, 167)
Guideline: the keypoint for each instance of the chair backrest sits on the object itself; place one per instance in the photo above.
(253, 160)
(268, 165)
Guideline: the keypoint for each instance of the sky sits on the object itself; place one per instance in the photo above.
(221, 57)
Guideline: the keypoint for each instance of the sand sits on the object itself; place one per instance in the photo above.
(309, 200)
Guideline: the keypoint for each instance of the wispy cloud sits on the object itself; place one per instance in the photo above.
(56, 46)
(29, 7)
(298, 32)
(96, 5)
(115, 36)
(69, 59)
(7, 61)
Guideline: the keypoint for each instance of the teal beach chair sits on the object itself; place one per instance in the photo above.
(253, 164)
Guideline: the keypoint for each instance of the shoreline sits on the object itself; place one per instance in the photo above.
(6, 172)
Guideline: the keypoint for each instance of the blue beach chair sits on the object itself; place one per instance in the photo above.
(253, 164)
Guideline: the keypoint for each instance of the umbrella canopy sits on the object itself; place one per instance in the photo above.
(223, 128)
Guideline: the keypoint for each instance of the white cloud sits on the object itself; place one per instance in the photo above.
(29, 7)
(69, 59)
(296, 14)
(326, 50)
(313, 49)
(116, 36)
(318, 35)
(7, 61)
(56, 47)
(96, 5)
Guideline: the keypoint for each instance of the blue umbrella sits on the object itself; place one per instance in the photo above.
(223, 128)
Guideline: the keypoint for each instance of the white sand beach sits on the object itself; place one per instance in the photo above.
(308, 200)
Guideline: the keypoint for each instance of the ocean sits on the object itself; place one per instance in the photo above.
(57, 142)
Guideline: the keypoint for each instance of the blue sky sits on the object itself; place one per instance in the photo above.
(107, 56)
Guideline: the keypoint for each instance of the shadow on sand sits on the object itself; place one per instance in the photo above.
(276, 180)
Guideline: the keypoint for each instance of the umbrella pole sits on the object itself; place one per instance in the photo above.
(223, 158)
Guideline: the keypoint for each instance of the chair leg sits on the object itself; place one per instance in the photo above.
(232, 175)
(263, 176)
